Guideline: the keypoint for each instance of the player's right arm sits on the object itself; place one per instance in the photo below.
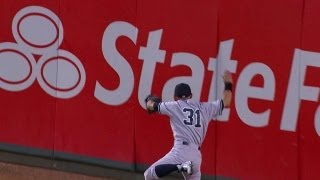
(215, 108)
(227, 93)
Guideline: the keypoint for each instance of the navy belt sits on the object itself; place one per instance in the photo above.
(186, 143)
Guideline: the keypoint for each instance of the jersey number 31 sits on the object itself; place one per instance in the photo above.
(192, 115)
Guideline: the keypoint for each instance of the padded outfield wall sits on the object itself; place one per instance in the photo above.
(74, 74)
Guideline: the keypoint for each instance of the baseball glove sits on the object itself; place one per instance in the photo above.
(156, 101)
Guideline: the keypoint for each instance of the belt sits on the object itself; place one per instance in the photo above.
(188, 144)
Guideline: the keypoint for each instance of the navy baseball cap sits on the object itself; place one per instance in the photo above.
(182, 90)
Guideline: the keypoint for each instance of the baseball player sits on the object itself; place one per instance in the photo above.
(189, 122)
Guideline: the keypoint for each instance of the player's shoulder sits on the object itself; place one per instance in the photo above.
(192, 102)
(168, 103)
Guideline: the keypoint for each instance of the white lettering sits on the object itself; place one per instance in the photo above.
(195, 81)
(150, 55)
(244, 91)
(118, 63)
(317, 121)
(296, 89)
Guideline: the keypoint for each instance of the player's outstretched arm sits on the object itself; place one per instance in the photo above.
(227, 93)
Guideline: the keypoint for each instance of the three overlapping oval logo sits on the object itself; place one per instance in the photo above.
(38, 33)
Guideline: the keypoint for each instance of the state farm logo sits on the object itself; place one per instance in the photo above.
(39, 31)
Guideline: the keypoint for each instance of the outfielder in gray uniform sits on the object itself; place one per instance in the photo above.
(189, 122)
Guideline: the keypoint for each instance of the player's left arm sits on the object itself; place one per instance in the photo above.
(155, 104)
(227, 93)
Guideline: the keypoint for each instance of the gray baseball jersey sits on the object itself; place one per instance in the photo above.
(189, 122)
(189, 119)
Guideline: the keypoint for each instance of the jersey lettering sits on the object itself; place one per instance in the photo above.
(191, 115)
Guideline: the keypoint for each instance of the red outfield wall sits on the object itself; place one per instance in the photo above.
(74, 76)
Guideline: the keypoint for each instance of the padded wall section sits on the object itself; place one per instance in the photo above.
(251, 145)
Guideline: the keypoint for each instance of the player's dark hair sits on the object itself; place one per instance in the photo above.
(182, 90)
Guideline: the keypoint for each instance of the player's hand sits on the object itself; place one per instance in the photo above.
(227, 77)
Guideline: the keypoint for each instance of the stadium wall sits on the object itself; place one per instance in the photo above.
(74, 75)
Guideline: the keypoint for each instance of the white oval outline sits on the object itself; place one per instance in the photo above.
(40, 10)
(55, 92)
(40, 19)
(25, 84)
(55, 63)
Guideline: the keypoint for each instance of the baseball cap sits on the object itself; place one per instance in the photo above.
(182, 90)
